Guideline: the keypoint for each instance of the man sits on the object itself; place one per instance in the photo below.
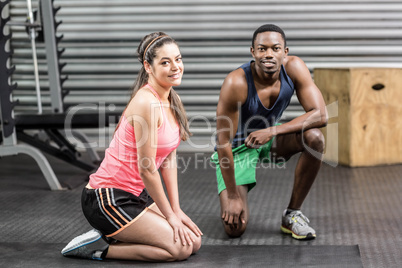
(251, 102)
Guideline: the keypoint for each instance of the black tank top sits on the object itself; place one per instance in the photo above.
(253, 114)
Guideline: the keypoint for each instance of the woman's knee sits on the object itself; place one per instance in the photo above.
(180, 252)
(314, 139)
(196, 244)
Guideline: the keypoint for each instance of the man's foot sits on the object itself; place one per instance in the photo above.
(296, 223)
(88, 246)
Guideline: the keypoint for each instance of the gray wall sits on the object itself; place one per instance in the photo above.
(100, 39)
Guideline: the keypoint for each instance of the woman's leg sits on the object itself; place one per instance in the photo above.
(196, 239)
(150, 238)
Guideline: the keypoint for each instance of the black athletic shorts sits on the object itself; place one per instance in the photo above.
(111, 210)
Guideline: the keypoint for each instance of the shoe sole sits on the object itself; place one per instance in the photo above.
(309, 236)
(93, 240)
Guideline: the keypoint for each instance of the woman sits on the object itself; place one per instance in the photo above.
(124, 200)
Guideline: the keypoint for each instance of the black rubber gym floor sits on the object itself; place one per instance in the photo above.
(354, 211)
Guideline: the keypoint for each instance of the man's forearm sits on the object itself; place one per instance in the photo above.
(311, 119)
(226, 164)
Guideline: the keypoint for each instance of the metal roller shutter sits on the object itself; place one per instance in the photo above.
(100, 39)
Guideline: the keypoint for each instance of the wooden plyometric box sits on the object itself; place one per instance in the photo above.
(369, 115)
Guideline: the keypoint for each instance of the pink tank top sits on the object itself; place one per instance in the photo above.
(119, 168)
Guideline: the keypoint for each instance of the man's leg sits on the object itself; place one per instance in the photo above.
(308, 165)
(293, 220)
(223, 198)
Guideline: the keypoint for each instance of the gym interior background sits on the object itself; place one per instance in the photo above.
(100, 39)
(96, 43)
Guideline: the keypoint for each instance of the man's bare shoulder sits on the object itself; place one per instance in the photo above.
(295, 68)
(235, 85)
(293, 62)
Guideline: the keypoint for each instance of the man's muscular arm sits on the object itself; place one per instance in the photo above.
(233, 94)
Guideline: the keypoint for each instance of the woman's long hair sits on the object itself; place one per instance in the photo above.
(147, 51)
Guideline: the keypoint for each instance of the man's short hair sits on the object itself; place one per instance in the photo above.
(269, 28)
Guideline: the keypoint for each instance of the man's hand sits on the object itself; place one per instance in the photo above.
(260, 137)
(233, 212)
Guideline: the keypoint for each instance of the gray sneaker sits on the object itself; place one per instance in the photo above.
(296, 223)
(88, 246)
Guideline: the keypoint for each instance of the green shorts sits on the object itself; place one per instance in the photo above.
(245, 163)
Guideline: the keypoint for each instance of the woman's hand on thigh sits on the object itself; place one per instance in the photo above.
(188, 222)
(180, 232)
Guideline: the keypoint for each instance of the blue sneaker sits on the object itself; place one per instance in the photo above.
(87, 246)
